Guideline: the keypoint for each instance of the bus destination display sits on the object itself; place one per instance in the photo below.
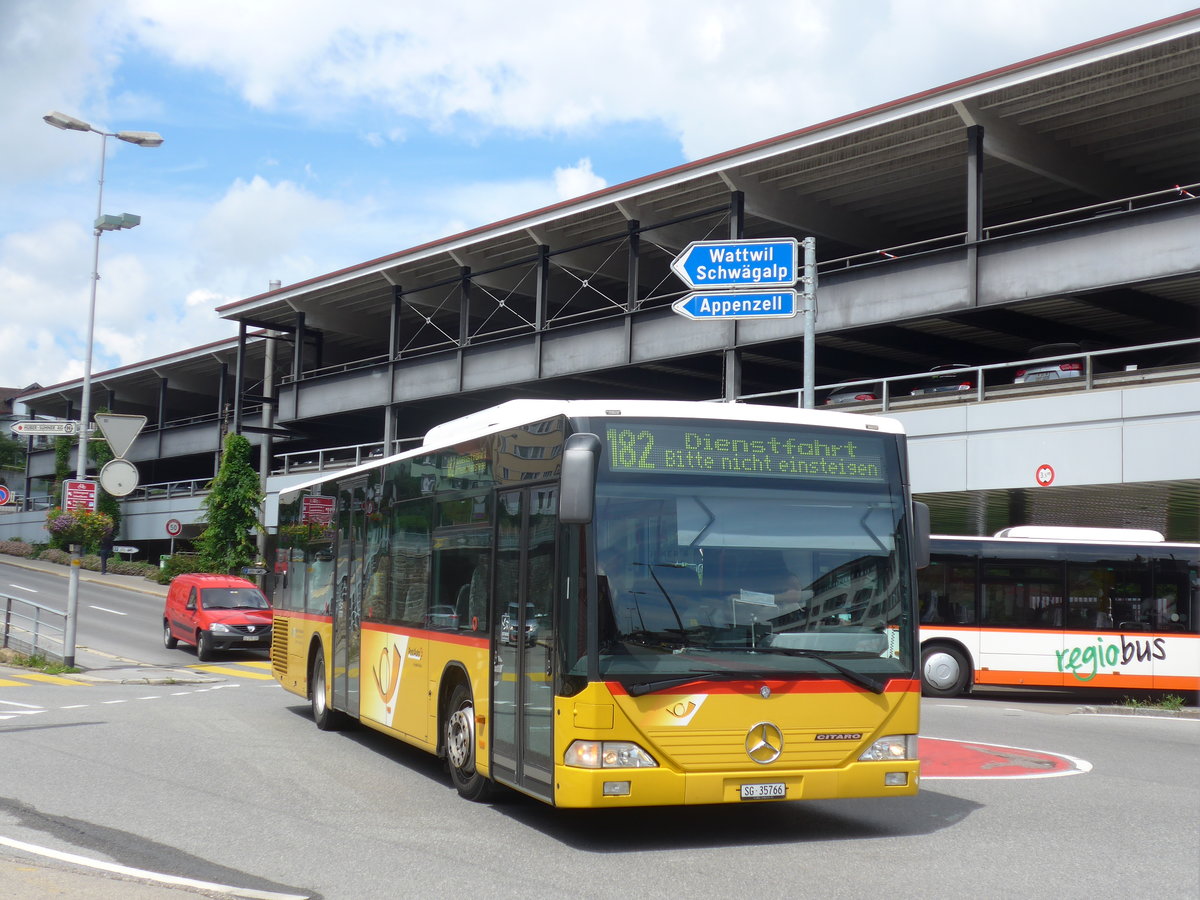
(700, 449)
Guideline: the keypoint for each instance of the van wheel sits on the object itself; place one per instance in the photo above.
(327, 718)
(460, 747)
(169, 640)
(944, 671)
(204, 646)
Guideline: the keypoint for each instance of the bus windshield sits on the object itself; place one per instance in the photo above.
(714, 578)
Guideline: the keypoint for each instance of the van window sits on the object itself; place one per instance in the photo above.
(191, 604)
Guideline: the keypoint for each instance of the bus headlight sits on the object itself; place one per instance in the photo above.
(891, 748)
(608, 755)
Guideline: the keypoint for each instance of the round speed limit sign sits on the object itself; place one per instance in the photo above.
(174, 527)
(1044, 476)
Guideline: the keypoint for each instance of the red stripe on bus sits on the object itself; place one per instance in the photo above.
(1100, 680)
(447, 637)
(779, 686)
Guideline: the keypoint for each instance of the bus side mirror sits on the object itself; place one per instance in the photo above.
(920, 534)
(577, 489)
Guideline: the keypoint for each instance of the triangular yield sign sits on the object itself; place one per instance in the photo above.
(120, 431)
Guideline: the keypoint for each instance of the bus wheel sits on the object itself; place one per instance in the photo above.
(327, 719)
(944, 671)
(460, 746)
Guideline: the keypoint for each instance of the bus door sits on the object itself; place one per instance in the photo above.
(523, 638)
(347, 595)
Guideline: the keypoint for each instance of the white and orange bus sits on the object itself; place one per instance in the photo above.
(619, 603)
(1061, 607)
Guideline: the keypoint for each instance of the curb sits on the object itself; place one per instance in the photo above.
(1187, 712)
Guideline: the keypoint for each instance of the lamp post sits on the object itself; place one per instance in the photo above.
(103, 223)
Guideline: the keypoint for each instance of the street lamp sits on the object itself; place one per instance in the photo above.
(103, 223)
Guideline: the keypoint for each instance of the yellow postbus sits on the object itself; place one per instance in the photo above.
(619, 603)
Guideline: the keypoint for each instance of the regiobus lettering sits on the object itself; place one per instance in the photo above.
(1085, 662)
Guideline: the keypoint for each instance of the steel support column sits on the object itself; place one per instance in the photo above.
(238, 377)
(633, 229)
(389, 411)
(162, 414)
(974, 208)
(464, 318)
(541, 303)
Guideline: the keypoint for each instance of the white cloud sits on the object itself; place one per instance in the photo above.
(577, 180)
(718, 73)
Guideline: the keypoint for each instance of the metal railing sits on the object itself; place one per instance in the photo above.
(1093, 375)
(32, 629)
(164, 490)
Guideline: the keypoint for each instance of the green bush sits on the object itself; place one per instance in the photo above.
(179, 564)
(61, 557)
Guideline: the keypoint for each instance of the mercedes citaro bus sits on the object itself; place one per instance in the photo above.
(619, 603)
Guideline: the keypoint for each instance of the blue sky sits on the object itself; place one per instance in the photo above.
(303, 136)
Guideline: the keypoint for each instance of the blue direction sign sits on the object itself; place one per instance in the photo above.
(728, 264)
(736, 305)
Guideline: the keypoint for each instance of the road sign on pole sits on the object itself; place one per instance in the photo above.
(119, 430)
(79, 494)
(34, 426)
(736, 305)
(60, 427)
(730, 264)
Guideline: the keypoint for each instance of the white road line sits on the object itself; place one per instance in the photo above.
(150, 876)
(15, 703)
(107, 702)
(76, 706)
(21, 712)
(107, 610)
(21, 587)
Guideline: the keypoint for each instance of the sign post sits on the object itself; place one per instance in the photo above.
(726, 271)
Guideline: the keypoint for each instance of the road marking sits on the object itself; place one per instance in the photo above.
(107, 610)
(25, 705)
(229, 670)
(21, 587)
(5, 683)
(159, 877)
(48, 679)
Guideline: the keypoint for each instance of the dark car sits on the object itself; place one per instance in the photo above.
(946, 379)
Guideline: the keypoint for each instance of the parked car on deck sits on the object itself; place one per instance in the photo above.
(216, 612)
(1057, 370)
(860, 393)
(943, 380)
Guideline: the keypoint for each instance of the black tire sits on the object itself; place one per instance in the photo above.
(204, 646)
(459, 742)
(169, 640)
(326, 717)
(945, 671)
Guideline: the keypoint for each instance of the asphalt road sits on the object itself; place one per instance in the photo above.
(230, 782)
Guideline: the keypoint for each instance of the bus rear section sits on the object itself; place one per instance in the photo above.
(1065, 608)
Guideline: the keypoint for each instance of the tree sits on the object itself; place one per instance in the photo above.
(231, 511)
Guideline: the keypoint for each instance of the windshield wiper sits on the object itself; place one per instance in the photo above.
(875, 687)
(649, 687)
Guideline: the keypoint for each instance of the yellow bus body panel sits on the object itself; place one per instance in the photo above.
(699, 740)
